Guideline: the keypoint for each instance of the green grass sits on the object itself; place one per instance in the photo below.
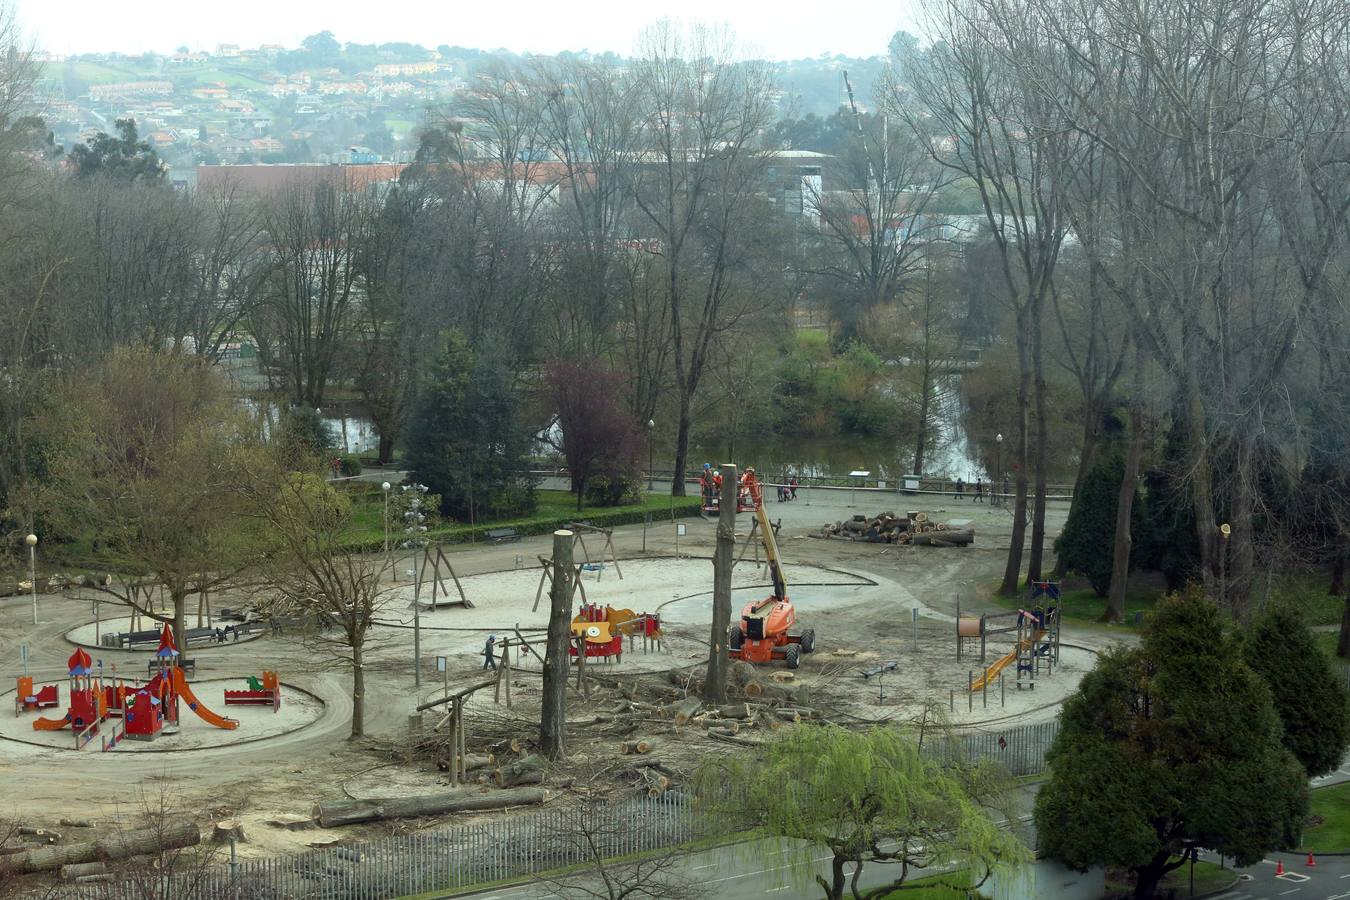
(1208, 877)
(936, 887)
(100, 73)
(1082, 606)
(555, 509)
(1330, 809)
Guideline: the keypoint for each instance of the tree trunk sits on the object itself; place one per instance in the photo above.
(1201, 480)
(1042, 450)
(922, 440)
(330, 813)
(1120, 556)
(715, 684)
(1238, 549)
(1012, 572)
(681, 445)
(554, 715)
(386, 449)
(118, 846)
(179, 597)
(358, 688)
(1343, 640)
(1337, 576)
(580, 484)
(1148, 876)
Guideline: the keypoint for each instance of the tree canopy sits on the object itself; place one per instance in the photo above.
(1310, 698)
(123, 156)
(871, 797)
(465, 440)
(1170, 745)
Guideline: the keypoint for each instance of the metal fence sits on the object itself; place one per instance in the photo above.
(462, 856)
(1022, 749)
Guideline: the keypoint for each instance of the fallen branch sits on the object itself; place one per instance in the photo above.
(330, 813)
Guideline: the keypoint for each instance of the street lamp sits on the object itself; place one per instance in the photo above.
(31, 541)
(385, 487)
(651, 476)
(415, 531)
(998, 466)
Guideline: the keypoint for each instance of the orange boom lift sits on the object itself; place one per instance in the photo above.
(762, 633)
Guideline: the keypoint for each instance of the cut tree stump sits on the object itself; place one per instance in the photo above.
(527, 770)
(331, 813)
(225, 829)
(639, 746)
(118, 846)
(752, 689)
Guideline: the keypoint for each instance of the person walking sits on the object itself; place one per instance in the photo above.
(960, 489)
(979, 491)
(489, 660)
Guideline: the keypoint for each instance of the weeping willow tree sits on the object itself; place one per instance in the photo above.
(872, 798)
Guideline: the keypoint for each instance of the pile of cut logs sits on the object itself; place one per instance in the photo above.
(912, 528)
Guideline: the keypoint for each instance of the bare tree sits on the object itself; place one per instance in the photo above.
(703, 115)
(877, 227)
(597, 833)
(985, 122)
(338, 591)
(312, 292)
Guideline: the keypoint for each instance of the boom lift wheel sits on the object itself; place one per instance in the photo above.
(792, 654)
(735, 639)
(808, 640)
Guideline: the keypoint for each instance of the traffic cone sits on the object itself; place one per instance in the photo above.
(1311, 862)
(1279, 868)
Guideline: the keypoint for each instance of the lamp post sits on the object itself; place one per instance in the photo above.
(415, 529)
(31, 541)
(387, 559)
(651, 476)
(998, 466)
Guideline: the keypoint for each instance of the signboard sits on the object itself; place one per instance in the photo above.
(680, 529)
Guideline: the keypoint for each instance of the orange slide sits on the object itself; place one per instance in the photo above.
(180, 685)
(45, 724)
(989, 674)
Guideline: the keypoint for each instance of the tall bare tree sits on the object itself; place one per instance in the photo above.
(313, 231)
(703, 114)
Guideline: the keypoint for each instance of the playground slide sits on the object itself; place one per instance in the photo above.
(42, 723)
(180, 685)
(1003, 662)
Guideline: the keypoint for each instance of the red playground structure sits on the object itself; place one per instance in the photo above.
(264, 693)
(145, 709)
(27, 701)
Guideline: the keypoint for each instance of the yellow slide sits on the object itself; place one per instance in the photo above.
(992, 672)
(180, 685)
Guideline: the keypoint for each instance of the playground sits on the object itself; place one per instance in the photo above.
(869, 605)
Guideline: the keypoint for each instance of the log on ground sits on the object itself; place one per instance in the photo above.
(118, 846)
(330, 813)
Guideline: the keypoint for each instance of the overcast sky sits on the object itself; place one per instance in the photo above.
(777, 30)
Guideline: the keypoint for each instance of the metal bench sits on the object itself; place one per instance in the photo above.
(189, 667)
(501, 535)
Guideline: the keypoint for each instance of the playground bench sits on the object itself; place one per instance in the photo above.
(501, 535)
(189, 667)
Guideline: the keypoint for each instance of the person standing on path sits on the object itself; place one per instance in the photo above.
(960, 489)
(979, 491)
(489, 661)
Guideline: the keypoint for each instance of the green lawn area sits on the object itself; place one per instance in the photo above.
(555, 509)
(935, 887)
(1208, 877)
(1082, 606)
(1331, 811)
(100, 73)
